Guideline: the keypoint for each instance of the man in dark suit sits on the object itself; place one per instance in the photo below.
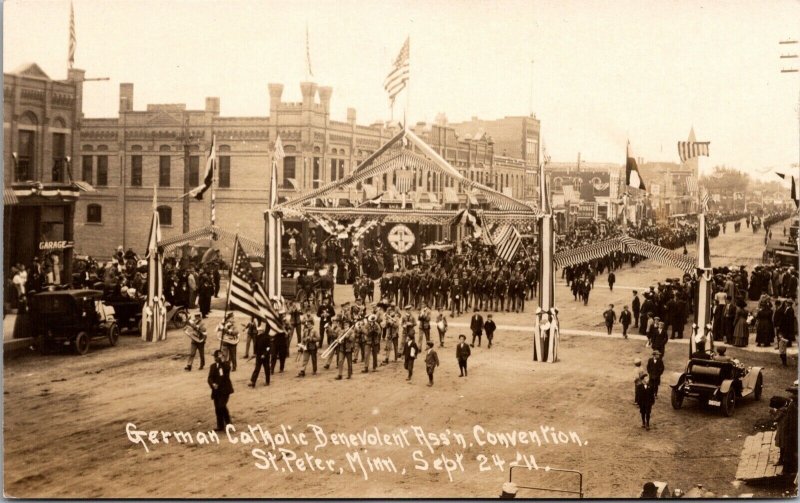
(660, 338)
(219, 380)
(261, 352)
(462, 353)
(655, 367)
(476, 325)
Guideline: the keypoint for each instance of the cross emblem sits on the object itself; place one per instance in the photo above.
(401, 238)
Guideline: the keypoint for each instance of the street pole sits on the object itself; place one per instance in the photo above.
(186, 173)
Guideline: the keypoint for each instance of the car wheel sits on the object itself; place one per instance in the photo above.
(676, 399)
(759, 387)
(81, 343)
(113, 334)
(729, 403)
(180, 319)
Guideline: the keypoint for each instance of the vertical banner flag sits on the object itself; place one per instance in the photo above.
(691, 149)
(154, 311)
(398, 76)
(795, 196)
(73, 41)
(273, 239)
(632, 176)
(703, 311)
(546, 330)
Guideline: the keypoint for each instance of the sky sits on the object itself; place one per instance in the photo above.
(603, 72)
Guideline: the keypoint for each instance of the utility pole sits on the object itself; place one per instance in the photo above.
(188, 141)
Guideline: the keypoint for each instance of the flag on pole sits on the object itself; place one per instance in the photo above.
(398, 77)
(507, 242)
(691, 149)
(705, 200)
(277, 156)
(73, 41)
(308, 54)
(632, 176)
(208, 178)
(246, 294)
(154, 312)
(794, 194)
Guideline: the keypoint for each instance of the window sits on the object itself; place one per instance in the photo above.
(164, 215)
(163, 170)
(341, 168)
(194, 171)
(136, 171)
(25, 155)
(316, 178)
(288, 171)
(224, 171)
(86, 175)
(59, 156)
(334, 171)
(94, 214)
(102, 170)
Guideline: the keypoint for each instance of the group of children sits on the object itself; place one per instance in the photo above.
(463, 352)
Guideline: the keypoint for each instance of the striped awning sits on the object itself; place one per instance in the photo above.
(450, 195)
(10, 197)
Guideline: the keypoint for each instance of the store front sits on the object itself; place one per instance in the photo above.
(39, 222)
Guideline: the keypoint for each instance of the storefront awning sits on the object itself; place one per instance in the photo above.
(10, 197)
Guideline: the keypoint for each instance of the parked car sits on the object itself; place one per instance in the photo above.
(72, 317)
(716, 383)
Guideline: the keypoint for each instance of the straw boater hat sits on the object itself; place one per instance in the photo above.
(408, 307)
(372, 317)
(637, 361)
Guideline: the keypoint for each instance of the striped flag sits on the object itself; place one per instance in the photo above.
(507, 242)
(691, 184)
(632, 176)
(154, 313)
(73, 40)
(705, 200)
(208, 178)
(691, 149)
(398, 77)
(246, 294)
(405, 181)
(308, 54)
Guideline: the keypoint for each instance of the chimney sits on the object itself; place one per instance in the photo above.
(275, 92)
(309, 92)
(325, 98)
(351, 115)
(126, 97)
(212, 105)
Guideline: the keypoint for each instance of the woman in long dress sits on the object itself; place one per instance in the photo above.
(765, 330)
(740, 329)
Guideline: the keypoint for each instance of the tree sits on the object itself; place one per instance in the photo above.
(725, 180)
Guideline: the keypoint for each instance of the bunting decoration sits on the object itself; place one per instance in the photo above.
(702, 313)
(546, 333)
(154, 311)
(274, 227)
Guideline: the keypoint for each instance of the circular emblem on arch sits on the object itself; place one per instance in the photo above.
(401, 238)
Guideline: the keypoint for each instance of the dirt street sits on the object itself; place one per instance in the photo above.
(66, 417)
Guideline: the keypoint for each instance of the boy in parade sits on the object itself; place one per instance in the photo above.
(462, 354)
(431, 362)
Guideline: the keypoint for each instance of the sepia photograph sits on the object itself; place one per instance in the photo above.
(463, 249)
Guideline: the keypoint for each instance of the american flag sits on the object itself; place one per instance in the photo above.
(705, 200)
(398, 77)
(405, 181)
(691, 149)
(246, 294)
(73, 40)
(507, 242)
(691, 184)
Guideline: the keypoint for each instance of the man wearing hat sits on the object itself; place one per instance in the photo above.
(195, 324)
(373, 343)
(655, 367)
(219, 380)
(660, 336)
(407, 323)
(227, 334)
(261, 352)
(639, 374)
(476, 325)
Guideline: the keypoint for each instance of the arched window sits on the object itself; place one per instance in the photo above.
(29, 119)
(557, 183)
(577, 182)
(59, 123)
(94, 214)
(164, 215)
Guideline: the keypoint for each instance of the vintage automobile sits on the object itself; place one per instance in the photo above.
(127, 311)
(72, 317)
(716, 383)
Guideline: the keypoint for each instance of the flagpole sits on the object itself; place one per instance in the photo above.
(408, 87)
(230, 281)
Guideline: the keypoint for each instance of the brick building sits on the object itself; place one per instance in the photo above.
(41, 135)
(126, 156)
(584, 190)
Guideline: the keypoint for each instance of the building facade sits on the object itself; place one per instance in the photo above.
(41, 134)
(164, 148)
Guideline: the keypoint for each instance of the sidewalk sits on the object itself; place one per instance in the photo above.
(617, 335)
